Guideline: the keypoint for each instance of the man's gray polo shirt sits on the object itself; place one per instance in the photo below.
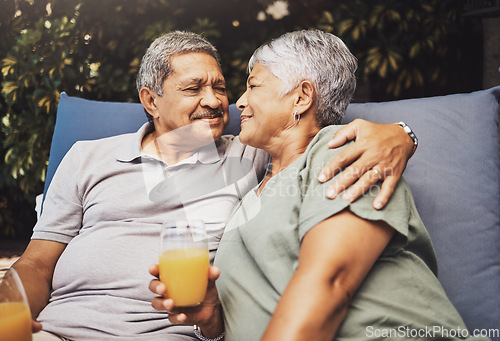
(107, 201)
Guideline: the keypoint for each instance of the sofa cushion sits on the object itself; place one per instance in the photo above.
(455, 179)
(80, 119)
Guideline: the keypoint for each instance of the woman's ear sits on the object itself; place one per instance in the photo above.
(305, 97)
(147, 97)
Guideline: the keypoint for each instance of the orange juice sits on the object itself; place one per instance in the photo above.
(15, 322)
(185, 274)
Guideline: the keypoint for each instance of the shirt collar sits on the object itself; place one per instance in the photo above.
(209, 153)
(131, 149)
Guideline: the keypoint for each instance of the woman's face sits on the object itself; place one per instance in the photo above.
(264, 115)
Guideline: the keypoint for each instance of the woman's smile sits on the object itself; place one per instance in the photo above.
(244, 118)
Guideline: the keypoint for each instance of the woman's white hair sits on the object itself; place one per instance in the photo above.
(319, 57)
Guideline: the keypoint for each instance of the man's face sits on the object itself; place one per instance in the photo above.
(194, 93)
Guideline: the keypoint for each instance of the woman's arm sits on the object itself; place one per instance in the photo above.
(36, 268)
(335, 256)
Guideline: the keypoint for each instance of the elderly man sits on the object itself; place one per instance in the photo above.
(86, 269)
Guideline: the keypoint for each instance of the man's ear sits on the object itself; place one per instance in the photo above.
(305, 97)
(147, 97)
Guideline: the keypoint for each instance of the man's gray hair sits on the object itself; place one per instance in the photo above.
(319, 57)
(156, 63)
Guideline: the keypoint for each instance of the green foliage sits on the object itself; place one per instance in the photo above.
(38, 66)
(406, 48)
(93, 48)
(90, 49)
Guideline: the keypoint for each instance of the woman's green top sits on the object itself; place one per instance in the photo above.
(400, 298)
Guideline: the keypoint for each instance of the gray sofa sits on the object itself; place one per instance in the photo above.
(454, 176)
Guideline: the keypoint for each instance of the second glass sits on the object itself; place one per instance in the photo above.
(15, 316)
(184, 261)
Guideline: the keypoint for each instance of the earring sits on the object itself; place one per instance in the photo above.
(296, 118)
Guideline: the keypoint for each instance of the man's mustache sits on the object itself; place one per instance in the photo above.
(208, 114)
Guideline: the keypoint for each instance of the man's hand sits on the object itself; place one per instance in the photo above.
(207, 315)
(35, 326)
(381, 152)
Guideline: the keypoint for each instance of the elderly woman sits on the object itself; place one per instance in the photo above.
(294, 265)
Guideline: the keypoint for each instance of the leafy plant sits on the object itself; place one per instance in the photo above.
(406, 48)
(47, 47)
(92, 49)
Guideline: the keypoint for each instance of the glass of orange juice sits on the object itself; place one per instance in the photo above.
(184, 261)
(15, 316)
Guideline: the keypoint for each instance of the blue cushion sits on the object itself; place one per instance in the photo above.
(81, 119)
(454, 176)
(455, 179)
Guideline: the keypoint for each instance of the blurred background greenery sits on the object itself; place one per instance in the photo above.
(92, 48)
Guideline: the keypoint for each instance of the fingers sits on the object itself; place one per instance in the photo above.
(201, 314)
(174, 315)
(348, 177)
(180, 318)
(157, 287)
(344, 134)
(380, 153)
(341, 160)
(154, 270)
(361, 186)
(213, 273)
(386, 191)
(168, 305)
(162, 304)
(165, 304)
(35, 326)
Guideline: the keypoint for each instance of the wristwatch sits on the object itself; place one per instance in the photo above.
(410, 133)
